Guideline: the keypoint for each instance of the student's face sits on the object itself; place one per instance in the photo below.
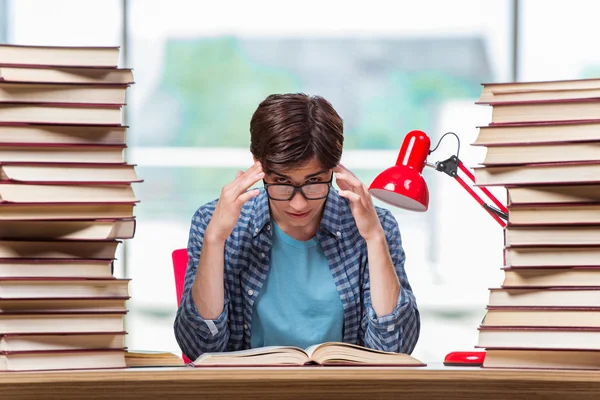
(300, 212)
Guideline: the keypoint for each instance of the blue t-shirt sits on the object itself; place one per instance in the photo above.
(299, 304)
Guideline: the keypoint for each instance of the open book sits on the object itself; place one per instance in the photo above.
(331, 353)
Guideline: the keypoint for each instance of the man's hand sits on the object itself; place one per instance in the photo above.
(361, 203)
(232, 198)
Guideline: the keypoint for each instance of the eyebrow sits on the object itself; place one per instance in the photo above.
(306, 177)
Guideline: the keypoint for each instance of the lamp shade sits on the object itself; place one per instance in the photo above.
(403, 185)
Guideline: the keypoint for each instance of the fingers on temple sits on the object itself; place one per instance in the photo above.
(350, 195)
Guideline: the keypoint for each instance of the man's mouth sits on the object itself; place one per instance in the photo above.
(298, 215)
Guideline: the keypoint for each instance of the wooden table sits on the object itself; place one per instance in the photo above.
(432, 382)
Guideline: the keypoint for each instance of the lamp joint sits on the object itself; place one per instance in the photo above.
(448, 166)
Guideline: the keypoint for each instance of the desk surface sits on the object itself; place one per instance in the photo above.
(432, 382)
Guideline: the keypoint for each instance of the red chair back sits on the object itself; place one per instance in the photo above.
(180, 261)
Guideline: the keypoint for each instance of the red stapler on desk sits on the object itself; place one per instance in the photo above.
(464, 359)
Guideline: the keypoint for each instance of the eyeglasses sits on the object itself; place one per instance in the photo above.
(310, 191)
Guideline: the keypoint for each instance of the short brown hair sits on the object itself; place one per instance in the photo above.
(288, 130)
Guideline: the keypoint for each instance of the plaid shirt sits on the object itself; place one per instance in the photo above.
(247, 253)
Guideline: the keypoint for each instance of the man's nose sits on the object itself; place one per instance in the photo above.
(298, 202)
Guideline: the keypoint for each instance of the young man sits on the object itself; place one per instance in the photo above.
(296, 262)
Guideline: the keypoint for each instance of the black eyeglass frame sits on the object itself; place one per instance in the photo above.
(299, 189)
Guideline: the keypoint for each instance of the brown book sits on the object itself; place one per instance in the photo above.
(62, 341)
(540, 90)
(71, 304)
(544, 153)
(538, 174)
(61, 114)
(552, 256)
(140, 358)
(61, 323)
(57, 193)
(103, 249)
(555, 194)
(566, 235)
(70, 211)
(68, 173)
(549, 317)
(61, 56)
(551, 277)
(542, 359)
(538, 133)
(44, 268)
(62, 134)
(38, 74)
(28, 288)
(61, 94)
(542, 111)
(571, 214)
(547, 297)
(572, 338)
(62, 360)
(331, 353)
(108, 229)
(540, 95)
(33, 153)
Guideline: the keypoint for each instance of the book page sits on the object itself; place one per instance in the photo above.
(344, 353)
(346, 347)
(267, 354)
(264, 350)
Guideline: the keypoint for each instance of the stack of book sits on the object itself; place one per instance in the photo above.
(66, 203)
(543, 146)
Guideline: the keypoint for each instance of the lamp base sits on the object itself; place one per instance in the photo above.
(464, 359)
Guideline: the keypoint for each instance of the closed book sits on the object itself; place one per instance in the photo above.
(538, 133)
(107, 229)
(61, 114)
(70, 304)
(64, 322)
(542, 359)
(553, 194)
(29, 288)
(44, 267)
(580, 109)
(47, 193)
(58, 153)
(65, 210)
(551, 277)
(62, 360)
(17, 342)
(538, 174)
(574, 297)
(561, 214)
(11, 133)
(542, 316)
(69, 249)
(565, 152)
(552, 256)
(564, 235)
(499, 92)
(62, 56)
(71, 75)
(572, 338)
(97, 173)
(61, 94)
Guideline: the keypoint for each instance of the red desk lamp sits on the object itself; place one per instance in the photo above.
(403, 186)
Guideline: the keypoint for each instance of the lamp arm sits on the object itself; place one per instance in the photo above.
(451, 166)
